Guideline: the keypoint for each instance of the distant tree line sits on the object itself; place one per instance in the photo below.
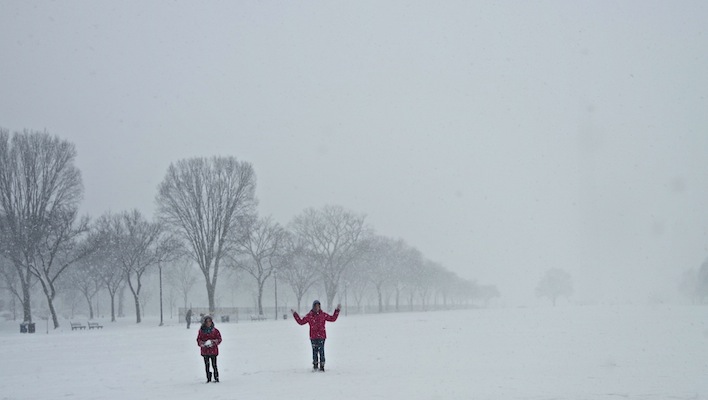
(206, 216)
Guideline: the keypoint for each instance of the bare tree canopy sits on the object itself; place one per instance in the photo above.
(555, 283)
(383, 258)
(296, 267)
(259, 248)
(182, 276)
(85, 278)
(331, 237)
(139, 245)
(205, 201)
(106, 258)
(40, 191)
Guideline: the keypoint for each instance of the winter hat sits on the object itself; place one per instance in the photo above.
(207, 317)
(315, 302)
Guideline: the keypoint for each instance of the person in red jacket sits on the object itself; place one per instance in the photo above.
(317, 318)
(208, 339)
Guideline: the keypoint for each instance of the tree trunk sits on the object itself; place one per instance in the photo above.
(137, 308)
(398, 299)
(330, 299)
(121, 301)
(90, 306)
(210, 296)
(330, 292)
(26, 309)
(378, 289)
(113, 305)
(260, 297)
(49, 294)
(55, 320)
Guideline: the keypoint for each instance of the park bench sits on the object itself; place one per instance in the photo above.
(77, 325)
(258, 318)
(94, 325)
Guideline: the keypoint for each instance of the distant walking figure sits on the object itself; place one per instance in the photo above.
(317, 318)
(209, 339)
(188, 318)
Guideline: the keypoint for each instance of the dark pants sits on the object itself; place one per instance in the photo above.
(213, 364)
(318, 351)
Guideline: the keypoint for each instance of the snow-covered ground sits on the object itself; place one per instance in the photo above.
(598, 352)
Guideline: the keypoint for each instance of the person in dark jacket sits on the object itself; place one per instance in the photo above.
(188, 318)
(317, 318)
(208, 339)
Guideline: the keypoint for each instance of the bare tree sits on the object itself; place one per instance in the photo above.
(445, 282)
(413, 276)
(409, 259)
(357, 280)
(181, 277)
(555, 283)
(295, 268)
(64, 246)
(206, 201)
(40, 190)
(85, 279)
(106, 260)
(384, 256)
(331, 237)
(138, 248)
(11, 281)
(426, 279)
(260, 246)
(168, 250)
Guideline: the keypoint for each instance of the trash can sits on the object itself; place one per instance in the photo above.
(285, 316)
(30, 327)
(224, 318)
(23, 327)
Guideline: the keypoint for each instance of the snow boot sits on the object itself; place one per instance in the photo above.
(322, 367)
(208, 377)
(216, 375)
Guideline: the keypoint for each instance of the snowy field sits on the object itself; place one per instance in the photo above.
(626, 352)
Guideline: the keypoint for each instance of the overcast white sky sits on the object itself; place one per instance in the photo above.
(500, 138)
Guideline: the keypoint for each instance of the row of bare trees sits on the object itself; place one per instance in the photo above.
(333, 248)
(206, 213)
(210, 205)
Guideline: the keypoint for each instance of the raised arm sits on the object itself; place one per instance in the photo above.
(333, 317)
(301, 321)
